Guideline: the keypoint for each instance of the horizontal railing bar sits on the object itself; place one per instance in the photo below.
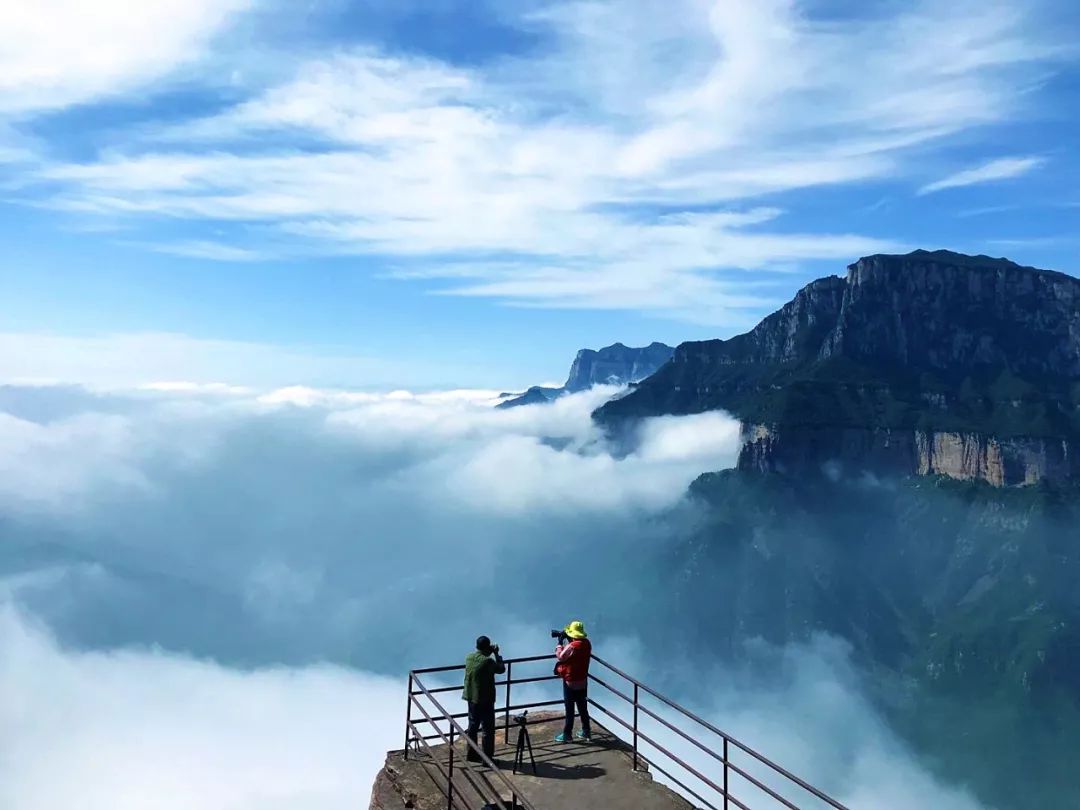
(762, 786)
(527, 659)
(668, 754)
(445, 773)
(472, 779)
(659, 719)
(457, 688)
(610, 688)
(614, 717)
(470, 743)
(446, 776)
(676, 760)
(437, 764)
(432, 670)
(537, 705)
(439, 689)
(483, 757)
(788, 774)
(529, 722)
(443, 718)
(642, 736)
(537, 679)
(742, 746)
(681, 733)
(683, 785)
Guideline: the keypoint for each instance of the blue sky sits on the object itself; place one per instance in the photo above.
(462, 193)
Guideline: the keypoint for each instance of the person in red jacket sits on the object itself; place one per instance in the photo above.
(573, 654)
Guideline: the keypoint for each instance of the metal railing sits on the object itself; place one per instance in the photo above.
(477, 782)
(722, 784)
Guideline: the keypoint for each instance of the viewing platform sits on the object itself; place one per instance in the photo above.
(646, 752)
(595, 774)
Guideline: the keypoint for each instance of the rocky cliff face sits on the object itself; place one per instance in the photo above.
(926, 363)
(854, 451)
(612, 365)
(947, 311)
(615, 365)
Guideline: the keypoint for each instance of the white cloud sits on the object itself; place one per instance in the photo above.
(810, 694)
(999, 169)
(452, 446)
(535, 178)
(264, 533)
(138, 729)
(40, 471)
(214, 251)
(54, 53)
(135, 729)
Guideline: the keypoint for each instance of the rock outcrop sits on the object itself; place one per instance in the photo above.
(964, 456)
(612, 365)
(615, 365)
(932, 362)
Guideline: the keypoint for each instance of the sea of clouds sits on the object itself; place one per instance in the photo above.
(209, 595)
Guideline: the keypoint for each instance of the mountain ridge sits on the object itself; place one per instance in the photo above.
(931, 349)
(617, 364)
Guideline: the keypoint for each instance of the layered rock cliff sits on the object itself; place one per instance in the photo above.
(1008, 461)
(612, 365)
(615, 365)
(932, 362)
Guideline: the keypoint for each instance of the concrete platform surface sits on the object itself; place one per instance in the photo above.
(595, 774)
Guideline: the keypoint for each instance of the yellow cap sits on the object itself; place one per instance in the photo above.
(575, 630)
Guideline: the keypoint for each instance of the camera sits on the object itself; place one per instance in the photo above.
(521, 719)
(560, 635)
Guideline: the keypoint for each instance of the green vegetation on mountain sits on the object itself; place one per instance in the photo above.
(927, 341)
(959, 598)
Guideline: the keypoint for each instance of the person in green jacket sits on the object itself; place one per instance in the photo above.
(480, 671)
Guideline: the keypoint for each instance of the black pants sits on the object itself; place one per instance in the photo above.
(580, 699)
(482, 715)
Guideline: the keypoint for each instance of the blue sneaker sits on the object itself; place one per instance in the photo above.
(581, 735)
(560, 737)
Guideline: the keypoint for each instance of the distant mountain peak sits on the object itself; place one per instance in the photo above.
(617, 364)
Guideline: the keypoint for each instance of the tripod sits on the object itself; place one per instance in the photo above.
(523, 742)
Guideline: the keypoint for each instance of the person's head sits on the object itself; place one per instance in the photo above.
(575, 630)
(483, 644)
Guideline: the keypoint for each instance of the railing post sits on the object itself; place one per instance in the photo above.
(408, 717)
(635, 725)
(450, 779)
(506, 719)
(725, 774)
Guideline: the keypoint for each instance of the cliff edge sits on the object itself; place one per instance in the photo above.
(924, 363)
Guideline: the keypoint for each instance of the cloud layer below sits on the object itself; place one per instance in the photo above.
(195, 588)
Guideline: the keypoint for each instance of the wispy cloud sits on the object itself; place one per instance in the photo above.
(61, 52)
(214, 251)
(999, 169)
(553, 175)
